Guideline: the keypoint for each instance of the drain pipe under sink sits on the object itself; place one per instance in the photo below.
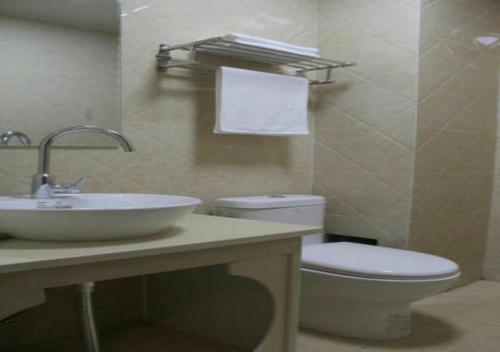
(88, 322)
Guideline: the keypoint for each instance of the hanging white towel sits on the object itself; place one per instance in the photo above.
(271, 44)
(260, 103)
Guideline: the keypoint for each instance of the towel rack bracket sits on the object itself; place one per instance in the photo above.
(163, 58)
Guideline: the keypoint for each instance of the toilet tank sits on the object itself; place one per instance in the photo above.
(290, 209)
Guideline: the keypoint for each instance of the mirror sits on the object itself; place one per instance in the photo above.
(59, 67)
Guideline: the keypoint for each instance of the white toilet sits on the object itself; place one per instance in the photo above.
(349, 289)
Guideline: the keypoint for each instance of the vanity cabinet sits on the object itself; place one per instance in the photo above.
(268, 253)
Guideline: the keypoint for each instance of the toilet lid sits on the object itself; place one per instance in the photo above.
(375, 262)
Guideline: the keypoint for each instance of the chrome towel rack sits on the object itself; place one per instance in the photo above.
(293, 64)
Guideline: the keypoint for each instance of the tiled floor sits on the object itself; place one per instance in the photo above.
(466, 319)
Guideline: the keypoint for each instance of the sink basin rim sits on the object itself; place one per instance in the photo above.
(25, 203)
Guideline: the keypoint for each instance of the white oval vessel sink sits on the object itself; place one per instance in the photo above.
(92, 216)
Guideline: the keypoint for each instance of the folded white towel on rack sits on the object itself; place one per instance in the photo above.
(260, 103)
(271, 44)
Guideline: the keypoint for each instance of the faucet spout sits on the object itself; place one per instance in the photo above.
(46, 143)
(43, 183)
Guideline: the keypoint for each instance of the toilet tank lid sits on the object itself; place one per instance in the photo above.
(376, 262)
(266, 202)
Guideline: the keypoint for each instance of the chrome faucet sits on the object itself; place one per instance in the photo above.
(44, 185)
(7, 136)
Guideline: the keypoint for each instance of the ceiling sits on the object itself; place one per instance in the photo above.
(101, 15)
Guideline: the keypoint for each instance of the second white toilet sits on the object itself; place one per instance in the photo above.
(349, 289)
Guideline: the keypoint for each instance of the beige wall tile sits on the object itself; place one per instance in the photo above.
(361, 98)
(440, 63)
(477, 115)
(399, 174)
(364, 148)
(374, 56)
(476, 157)
(445, 102)
(441, 18)
(440, 149)
(457, 116)
(393, 22)
(492, 259)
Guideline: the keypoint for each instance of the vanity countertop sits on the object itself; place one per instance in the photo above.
(195, 232)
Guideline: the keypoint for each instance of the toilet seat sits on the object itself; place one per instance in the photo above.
(376, 262)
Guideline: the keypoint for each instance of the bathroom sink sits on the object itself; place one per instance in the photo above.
(92, 216)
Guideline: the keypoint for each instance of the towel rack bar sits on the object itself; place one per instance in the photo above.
(244, 56)
(262, 56)
(250, 52)
(257, 51)
(294, 63)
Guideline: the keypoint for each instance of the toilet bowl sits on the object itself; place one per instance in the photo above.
(349, 289)
(365, 291)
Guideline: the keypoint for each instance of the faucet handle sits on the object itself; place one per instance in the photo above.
(72, 188)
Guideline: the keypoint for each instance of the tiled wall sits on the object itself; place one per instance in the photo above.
(365, 123)
(458, 97)
(492, 261)
(491, 269)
